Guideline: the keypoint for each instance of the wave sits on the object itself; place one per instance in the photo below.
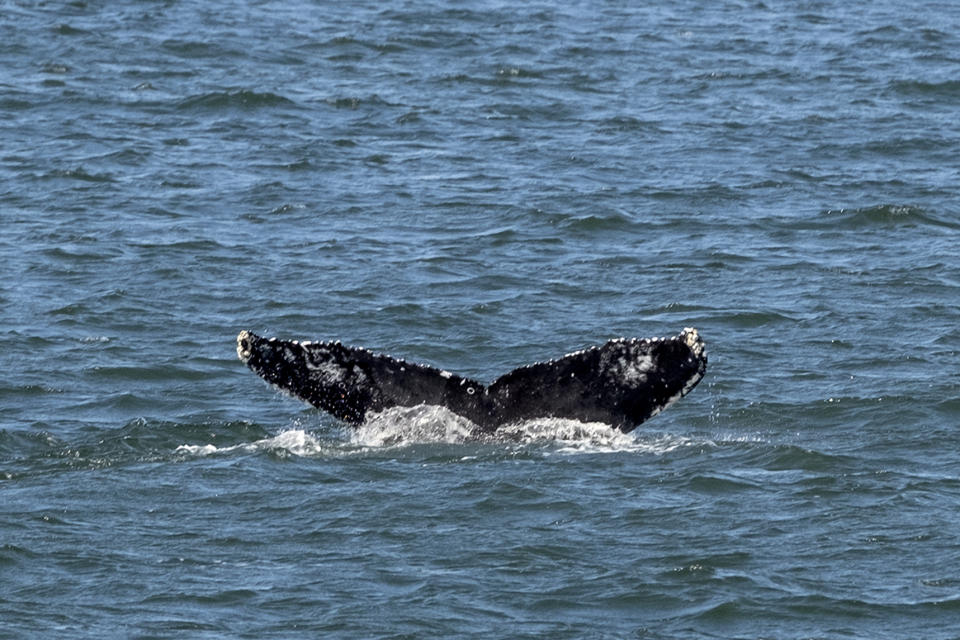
(40, 452)
(355, 102)
(927, 89)
(611, 220)
(79, 173)
(237, 99)
(885, 215)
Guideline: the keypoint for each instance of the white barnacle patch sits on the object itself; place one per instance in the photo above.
(323, 367)
(331, 373)
(359, 376)
(634, 371)
(244, 343)
(446, 374)
(630, 366)
(693, 340)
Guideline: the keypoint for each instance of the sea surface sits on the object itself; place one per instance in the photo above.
(477, 186)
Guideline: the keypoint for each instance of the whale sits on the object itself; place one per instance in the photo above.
(622, 382)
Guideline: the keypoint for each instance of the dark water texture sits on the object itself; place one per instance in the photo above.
(478, 186)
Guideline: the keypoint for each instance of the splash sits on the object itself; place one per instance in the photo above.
(426, 424)
(413, 425)
(401, 429)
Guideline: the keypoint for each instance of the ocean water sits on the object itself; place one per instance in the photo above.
(479, 185)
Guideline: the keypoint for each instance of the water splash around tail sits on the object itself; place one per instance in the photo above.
(401, 428)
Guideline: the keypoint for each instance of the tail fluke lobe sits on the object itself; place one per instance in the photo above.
(621, 383)
(347, 382)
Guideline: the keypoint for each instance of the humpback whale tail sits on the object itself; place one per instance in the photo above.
(622, 382)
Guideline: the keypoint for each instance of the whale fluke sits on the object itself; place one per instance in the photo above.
(621, 383)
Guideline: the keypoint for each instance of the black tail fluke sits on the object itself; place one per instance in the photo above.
(621, 383)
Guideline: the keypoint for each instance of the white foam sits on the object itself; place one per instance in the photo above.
(294, 441)
(572, 437)
(426, 424)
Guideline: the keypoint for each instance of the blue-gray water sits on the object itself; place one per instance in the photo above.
(479, 185)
